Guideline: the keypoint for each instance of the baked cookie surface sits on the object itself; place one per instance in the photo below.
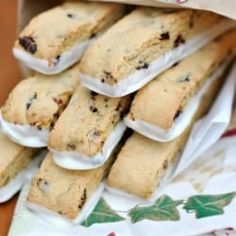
(142, 162)
(13, 159)
(168, 95)
(39, 100)
(57, 31)
(64, 191)
(128, 49)
(87, 122)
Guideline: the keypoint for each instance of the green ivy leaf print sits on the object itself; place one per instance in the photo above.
(102, 213)
(164, 209)
(208, 205)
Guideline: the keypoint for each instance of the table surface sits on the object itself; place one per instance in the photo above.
(9, 76)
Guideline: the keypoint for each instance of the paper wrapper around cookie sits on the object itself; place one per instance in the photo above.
(226, 8)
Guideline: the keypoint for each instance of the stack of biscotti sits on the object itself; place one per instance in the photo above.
(100, 69)
(52, 44)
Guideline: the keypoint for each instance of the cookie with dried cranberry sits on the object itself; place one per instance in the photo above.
(64, 192)
(172, 98)
(35, 104)
(88, 130)
(56, 39)
(143, 44)
(144, 162)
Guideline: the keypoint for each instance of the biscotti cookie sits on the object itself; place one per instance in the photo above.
(56, 39)
(15, 162)
(143, 44)
(142, 162)
(66, 193)
(88, 130)
(35, 104)
(172, 98)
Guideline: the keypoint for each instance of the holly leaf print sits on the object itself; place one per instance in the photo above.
(208, 205)
(164, 209)
(102, 213)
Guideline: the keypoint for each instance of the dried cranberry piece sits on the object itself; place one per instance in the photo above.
(179, 40)
(31, 100)
(165, 36)
(175, 64)
(177, 114)
(70, 15)
(143, 65)
(93, 109)
(93, 94)
(28, 43)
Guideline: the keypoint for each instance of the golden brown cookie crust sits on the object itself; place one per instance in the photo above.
(13, 159)
(87, 122)
(39, 100)
(143, 162)
(64, 191)
(167, 95)
(140, 38)
(53, 32)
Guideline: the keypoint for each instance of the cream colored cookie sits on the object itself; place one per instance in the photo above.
(64, 191)
(89, 128)
(59, 36)
(143, 44)
(168, 95)
(142, 162)
(35, 104)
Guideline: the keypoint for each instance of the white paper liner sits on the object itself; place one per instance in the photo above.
(182, 122)
(25, 135)
(208, 130)
(8, 191)
(141, 77)
(76, 161)
(67, 59)
(61, 221)
(25, 223)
